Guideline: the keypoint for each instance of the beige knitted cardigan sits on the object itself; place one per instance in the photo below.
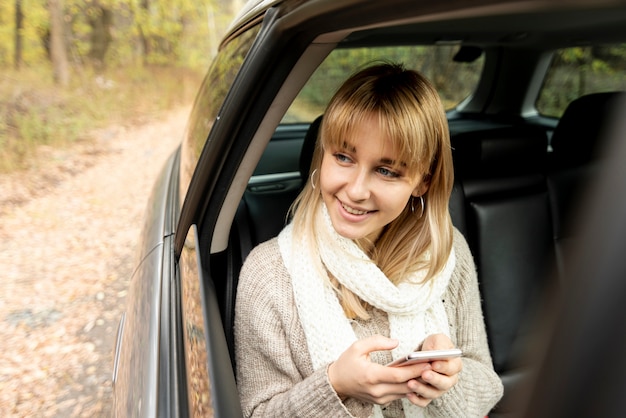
(275, 375)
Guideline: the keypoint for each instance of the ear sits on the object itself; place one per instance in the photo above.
(422, 187)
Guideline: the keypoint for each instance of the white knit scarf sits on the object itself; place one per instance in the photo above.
(415, 310)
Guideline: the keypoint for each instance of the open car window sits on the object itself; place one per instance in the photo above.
(455, 71)
(454, 79)
(577, 71)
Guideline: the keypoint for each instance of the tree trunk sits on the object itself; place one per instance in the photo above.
(58, 53)
(100, 24)
(145, 38)
(19, 18)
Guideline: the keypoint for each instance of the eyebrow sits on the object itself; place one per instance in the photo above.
(386, 161)
(393, 163)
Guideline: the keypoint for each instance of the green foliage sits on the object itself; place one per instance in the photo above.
(574, 72)
(579, 71)
(35, 26)
(124, 40)
(164, 32)
(114, 47)
(453, 80)
(35, 112)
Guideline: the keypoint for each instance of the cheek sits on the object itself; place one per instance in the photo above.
(394, 200)
(326, 175)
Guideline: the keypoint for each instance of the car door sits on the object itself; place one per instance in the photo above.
(205, 378)
(170, 335)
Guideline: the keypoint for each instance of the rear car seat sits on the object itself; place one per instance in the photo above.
(576, 150)
(499, 176)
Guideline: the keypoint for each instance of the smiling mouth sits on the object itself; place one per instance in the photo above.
(354, 211)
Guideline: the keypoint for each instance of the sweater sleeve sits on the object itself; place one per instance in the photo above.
(479, 387)
(275, 376)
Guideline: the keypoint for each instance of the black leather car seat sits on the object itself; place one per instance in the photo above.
(308, 148)
(507, 225)
(577, 144)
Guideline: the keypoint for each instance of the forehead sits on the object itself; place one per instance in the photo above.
(369, 135)
(351, 131)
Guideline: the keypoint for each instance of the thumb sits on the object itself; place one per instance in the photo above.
(437, 342)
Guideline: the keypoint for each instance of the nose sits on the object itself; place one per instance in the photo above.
(358, 188)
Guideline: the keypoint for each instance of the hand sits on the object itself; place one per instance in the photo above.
(354, 375)
(442, 375)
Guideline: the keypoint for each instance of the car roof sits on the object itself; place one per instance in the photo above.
(250, 12)
(544, 24)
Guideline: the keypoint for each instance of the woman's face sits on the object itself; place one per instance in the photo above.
(365, 184)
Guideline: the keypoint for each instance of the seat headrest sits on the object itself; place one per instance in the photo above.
(506, 151)
(308, 147)
(578, 136)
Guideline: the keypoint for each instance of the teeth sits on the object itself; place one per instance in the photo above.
(354, 211)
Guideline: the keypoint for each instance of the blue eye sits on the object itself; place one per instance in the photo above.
(342, 158)
(387, 173)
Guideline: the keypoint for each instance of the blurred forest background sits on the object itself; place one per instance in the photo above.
(68, 67)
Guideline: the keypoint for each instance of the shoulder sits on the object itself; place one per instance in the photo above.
(263, 273)
(264, 259)
(265, 252)
(462, 252)
(463, 299)
(264, 299)
(464, 276)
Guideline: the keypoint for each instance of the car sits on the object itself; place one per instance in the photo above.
(531, 90)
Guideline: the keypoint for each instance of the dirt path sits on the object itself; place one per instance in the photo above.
(68, 233)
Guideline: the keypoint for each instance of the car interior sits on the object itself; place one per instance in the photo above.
(513, 201)
(518, 186)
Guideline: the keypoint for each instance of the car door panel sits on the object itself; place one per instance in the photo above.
(210, 380)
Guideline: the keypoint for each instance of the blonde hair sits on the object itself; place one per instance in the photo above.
(411, 114)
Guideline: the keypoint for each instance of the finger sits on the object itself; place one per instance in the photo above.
(440, 382)
(417, 399)
(375, 343)
(437, 342)
(385, 393)
(424, 389)
(447, 367)
(406, 373)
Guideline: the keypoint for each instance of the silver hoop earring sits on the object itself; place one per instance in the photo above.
(312, 180)
(421, 204)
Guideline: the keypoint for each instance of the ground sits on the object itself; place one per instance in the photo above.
(69, 228)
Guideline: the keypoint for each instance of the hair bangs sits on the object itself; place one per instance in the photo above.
(409, 136)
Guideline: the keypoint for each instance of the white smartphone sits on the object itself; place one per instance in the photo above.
(426, 357)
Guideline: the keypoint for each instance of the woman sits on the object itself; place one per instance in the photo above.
(369, 269)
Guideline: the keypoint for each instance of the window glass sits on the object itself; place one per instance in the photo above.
(213, 91)
(454, 80)
(577, 71)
